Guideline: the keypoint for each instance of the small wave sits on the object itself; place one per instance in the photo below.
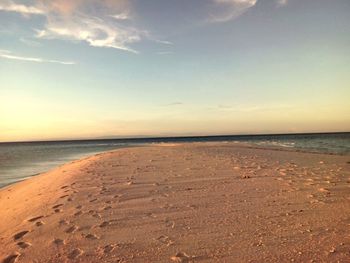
(277, 143)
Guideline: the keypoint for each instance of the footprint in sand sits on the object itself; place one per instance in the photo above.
(71, 229)
(56, 208)
(63, 196)
(104, 224)
(58, 241)
(91, 236)
(20, 235)
(63, 222)
(75, 253)
(78, 213)
(11, 258)
(65, 186)
(109, 248)
(35, 218)
(95, 214)
(23, 244)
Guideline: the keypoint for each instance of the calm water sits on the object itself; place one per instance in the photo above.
(21, 160)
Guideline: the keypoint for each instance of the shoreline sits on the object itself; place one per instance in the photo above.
(292, 149)
(249, 145)
(193, 201)
(73, 158)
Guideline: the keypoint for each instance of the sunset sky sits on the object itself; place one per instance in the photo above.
(72, 69)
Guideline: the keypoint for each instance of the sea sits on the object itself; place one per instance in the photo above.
(21, 160)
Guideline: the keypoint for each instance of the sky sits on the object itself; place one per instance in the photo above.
(77, 69)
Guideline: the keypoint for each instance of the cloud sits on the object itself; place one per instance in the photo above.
(100, 23)
(165, 42)
(121, 16)
(10, 6)
(94, 31)
(106, 23)
(8, 55)
(227, 10)
(63, 7)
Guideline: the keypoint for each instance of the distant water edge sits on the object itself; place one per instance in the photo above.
(24, 159)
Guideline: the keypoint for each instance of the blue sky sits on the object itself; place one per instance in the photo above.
(92, 69)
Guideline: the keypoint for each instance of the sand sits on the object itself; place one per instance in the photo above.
(199, 202)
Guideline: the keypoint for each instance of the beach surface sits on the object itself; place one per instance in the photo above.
(195, 202)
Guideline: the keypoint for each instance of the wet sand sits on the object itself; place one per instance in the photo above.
(198, 202)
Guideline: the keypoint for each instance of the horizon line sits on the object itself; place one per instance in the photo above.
(150, 137)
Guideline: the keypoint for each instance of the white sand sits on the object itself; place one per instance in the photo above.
(202, 202)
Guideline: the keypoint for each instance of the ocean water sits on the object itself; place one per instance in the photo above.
(19, 161)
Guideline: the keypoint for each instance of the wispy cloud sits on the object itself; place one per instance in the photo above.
(78, 20)
(94, 31)
(227, 10)
(109, 23)
(6, 54)
(121, 16)
(10, 6)
(165, 42)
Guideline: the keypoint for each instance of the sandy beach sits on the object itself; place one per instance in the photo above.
(195, 202)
